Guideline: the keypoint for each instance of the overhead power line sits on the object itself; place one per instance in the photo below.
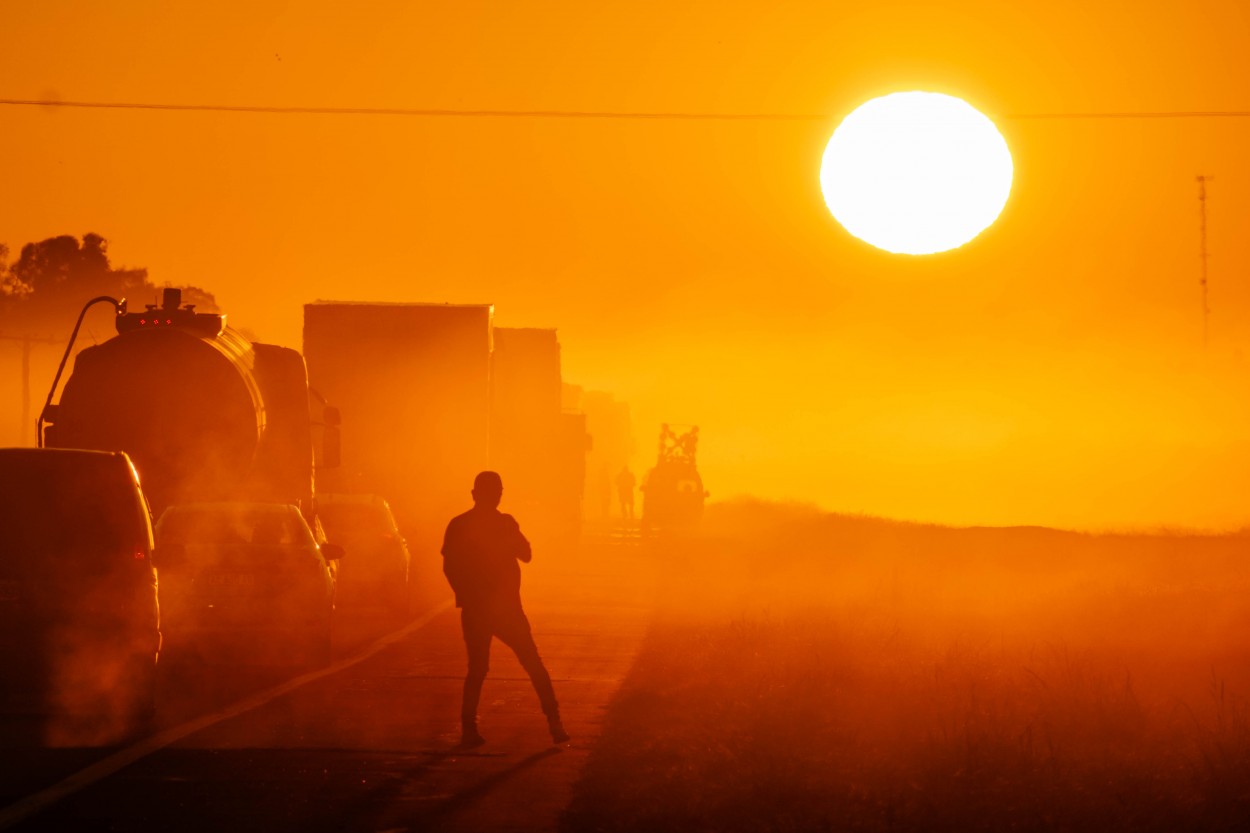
(573, 114)
(425, 112)
(1144, 114)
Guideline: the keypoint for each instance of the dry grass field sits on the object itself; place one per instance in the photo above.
(817, 672)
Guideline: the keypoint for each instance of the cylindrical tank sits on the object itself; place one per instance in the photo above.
(205, 414)
(185, 406)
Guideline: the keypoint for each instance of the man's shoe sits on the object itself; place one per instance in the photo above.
(470, 739)
(558, 735)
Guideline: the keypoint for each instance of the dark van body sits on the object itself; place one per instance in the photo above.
(79, 624)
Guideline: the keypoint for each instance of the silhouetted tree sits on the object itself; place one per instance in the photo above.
(5, 278)
(42, 291)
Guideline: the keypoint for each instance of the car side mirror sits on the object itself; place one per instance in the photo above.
(332, 552)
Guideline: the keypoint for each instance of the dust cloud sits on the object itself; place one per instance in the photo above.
(809, 669)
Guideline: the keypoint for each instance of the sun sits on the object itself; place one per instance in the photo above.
(916, 173)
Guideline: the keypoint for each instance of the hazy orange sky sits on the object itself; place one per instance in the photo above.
(1049, 372)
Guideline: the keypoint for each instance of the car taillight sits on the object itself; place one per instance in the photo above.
(139, 555)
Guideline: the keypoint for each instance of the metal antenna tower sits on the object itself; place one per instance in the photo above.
(1202, 252)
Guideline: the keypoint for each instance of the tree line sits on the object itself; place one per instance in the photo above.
(42, 290)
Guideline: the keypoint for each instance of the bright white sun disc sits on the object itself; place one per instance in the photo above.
(916, 173)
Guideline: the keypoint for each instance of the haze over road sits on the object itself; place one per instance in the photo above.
(372, 747)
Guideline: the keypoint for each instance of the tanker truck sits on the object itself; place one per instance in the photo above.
(205, 413)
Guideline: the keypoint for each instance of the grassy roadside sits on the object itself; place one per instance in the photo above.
(920, 681)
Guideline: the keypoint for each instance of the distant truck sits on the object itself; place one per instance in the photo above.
(431, 394)
(205, 413)
(537, 446)
(673, 493)
(413, 384)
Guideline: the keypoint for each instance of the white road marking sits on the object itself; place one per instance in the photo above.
(37, 802)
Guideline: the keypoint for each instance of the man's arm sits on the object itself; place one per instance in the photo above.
(451, 559)
(519, 545)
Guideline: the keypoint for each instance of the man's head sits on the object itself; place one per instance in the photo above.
(487, 489)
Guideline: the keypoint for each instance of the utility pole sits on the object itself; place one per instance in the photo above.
(27, 341)
(1202, 253)
(25, 387)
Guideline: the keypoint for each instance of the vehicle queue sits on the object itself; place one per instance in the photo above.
(92, 593)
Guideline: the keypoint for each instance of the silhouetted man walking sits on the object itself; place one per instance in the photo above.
(480, 554)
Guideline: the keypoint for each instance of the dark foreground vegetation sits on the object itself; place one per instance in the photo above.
(812, 672)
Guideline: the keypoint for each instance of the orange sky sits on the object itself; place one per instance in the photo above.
(1050, 372)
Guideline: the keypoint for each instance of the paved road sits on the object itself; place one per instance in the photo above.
(371, 747)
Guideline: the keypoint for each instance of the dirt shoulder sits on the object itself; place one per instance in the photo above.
(872, 676)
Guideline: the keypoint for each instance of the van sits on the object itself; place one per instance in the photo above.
(79, 622)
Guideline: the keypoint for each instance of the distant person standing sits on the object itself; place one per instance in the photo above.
(625, 484)
(605, 491)
(480, 553)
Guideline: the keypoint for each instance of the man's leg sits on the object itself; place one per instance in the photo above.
(513, 630)
(477, 635)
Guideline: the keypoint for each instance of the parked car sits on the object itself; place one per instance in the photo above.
(79, 623)
(245, 583)
(377, 572)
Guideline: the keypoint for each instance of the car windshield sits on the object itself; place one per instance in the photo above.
(68, 506)
(233, 525)
(349, 519)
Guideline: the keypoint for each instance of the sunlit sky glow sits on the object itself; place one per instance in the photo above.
(1052, 371)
